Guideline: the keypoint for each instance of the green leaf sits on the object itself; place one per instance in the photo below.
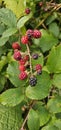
(2, 29)
(9, 32)
(17, 6)
(41, 90)
(21, 6)
(3, 62)
(10, 118)
(53, 124)
(54, 28)
(54, 60)
(7, 17)
(58, 115)
(58, 123)
(44, 115)
(51, 18)
(0, 1)
(12, 97)
(57, 80)
(47, 40)
(23, 20)
(60, 36)
(2, 50)
(33, 120)
(2, 82)
(13, 74)
(54, 105)
(3, 40)
(50, 127)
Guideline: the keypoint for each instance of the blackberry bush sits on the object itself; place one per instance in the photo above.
(30, 65)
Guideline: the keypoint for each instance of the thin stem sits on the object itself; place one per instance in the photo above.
(22, 128)
(57, 7)
(19, 37)
(44, 26)
(29, 58)
(30, 107)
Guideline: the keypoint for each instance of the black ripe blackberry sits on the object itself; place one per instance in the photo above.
(35, 56)
(33, 81)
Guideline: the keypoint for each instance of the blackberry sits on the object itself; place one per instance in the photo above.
(35, 56)
(36, 33)
(22, 61)
(29, 33)
(22, 75)
(24, 39)
(22, 68)
(17, 55)
(15, 45)
(33, 81)
(27, 10)
(38, 67)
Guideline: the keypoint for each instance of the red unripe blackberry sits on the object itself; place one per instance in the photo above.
(22, 75)
(32, 80)
(36, 33)
(27, 10)
(29, 33)
(22, 68)
(38, 67)
(26, 58)
(24, 39)
(17, 55)
(15, 45)
(22, 62)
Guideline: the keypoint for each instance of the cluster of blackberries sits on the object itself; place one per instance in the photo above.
(23, 60)
(30, 34)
